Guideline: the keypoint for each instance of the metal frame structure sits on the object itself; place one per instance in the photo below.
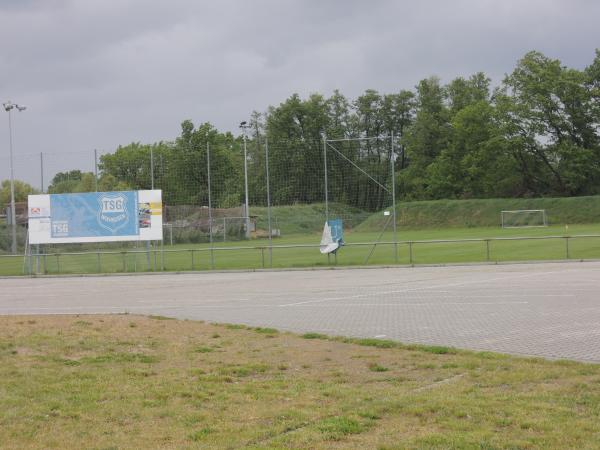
(544, 218)
(329, 143)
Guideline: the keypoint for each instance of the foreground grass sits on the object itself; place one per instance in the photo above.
(148, 382)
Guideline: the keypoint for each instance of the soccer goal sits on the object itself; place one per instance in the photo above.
(524, 218)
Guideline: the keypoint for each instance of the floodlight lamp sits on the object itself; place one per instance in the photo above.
(21, 107)
(8, 106)
(243, 124)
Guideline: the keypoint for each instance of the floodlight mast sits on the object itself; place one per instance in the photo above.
(244, 126)
(8, 107)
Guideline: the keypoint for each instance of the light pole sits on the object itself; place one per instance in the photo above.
(8, 107)
(244, 127)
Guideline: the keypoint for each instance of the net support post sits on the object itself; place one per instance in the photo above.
(210, 224)
(393, 162)
(269, 202)
(325, 177)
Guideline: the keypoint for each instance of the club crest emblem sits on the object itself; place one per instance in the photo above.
(113, 213)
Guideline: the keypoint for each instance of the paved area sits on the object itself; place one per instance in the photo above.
(550, 310)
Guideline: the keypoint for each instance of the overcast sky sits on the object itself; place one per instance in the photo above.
(99, 73)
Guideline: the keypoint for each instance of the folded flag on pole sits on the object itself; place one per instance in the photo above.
(333, 236)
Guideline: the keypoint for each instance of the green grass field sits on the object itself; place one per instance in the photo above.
(126, 381)
(302, 225)
(256, 255)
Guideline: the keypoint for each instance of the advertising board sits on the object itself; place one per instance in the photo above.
(95, 217)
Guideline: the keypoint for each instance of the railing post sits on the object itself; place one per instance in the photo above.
(487, 250)
(567, 246)
(262, 255)
(410, 253)
(99, 266)
(124, 262)
(192, 252)
(58, 262)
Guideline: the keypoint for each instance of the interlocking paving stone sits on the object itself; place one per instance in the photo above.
(546, 309)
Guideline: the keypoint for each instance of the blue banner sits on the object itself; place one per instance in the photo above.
(337, 230)
(94, 214)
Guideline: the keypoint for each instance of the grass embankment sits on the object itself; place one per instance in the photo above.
(303, 219)
(486, 212)
(143, 382)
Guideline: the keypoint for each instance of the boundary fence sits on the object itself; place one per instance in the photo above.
(413, 252)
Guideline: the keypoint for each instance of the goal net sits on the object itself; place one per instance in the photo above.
(524, 218)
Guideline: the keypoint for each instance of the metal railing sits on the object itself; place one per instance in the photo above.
(203, 258)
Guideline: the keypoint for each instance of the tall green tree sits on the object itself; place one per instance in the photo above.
(549, 122)
(22, 190)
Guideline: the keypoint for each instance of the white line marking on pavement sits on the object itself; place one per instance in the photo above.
(423, 288)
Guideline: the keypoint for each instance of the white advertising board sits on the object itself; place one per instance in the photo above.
(95, 217)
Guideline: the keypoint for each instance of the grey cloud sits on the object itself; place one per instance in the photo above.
(99, 73)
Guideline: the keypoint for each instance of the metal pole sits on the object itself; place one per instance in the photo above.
(162, 255)
(96, 168)
(42, 172)
(13, 214)
(247, 212)
(393, 161)
(151, 168)
(210, 236)
(325, 170)
(148, 259)
(326, 185)
(269, 202)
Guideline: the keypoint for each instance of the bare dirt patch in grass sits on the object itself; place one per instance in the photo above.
(125, 381)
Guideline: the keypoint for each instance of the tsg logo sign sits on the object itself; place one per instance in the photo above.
(113, 213)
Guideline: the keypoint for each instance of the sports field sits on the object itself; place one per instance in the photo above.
(255, 254)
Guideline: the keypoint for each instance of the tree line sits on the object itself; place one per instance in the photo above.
(536, 134)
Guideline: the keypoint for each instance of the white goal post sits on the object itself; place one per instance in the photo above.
(524, 218)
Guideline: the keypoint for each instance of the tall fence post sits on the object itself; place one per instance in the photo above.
(151, 168)
(96, 170)
(37, 247)
(325, 176)
(42, 172)
(269, 201)
(210, 224)
(148, 242)
(393, 163)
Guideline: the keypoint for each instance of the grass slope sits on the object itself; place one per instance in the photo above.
(298, 219)
(486, 212)
(146, 382)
